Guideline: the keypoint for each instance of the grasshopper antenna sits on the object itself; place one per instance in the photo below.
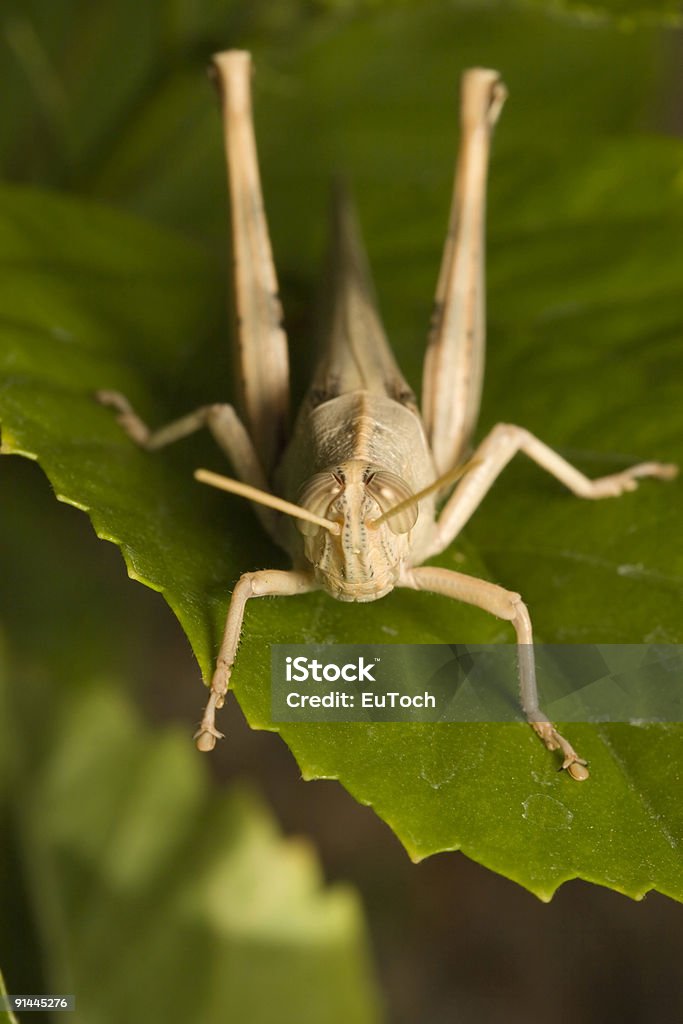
(226, 483)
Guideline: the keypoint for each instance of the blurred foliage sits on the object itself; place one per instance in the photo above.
(585, 327)
(155, 896)
(110, 100)
(6, 1016)
(628, 14)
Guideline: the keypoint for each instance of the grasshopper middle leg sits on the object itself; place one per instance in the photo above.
(493, 455)
(226, 427)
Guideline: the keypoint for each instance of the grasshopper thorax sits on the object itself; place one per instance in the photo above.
(362, 561)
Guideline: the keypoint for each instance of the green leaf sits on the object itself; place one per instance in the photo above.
(156, 897)
(585, 321)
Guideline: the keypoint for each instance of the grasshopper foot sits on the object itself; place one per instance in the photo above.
(207, 734)
(126, 416)
(574, 765)
(205, 738)
(618, 483)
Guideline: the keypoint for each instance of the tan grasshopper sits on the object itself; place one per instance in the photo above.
(352, 494)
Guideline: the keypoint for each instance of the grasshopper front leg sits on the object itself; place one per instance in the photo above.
(505, 604)
(264, 583)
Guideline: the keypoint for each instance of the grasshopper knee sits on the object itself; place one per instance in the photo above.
(504, 604)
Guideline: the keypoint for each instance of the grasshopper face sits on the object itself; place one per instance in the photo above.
(363, 560)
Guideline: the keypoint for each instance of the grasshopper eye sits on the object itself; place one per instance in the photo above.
(389, 491)
(317, 495)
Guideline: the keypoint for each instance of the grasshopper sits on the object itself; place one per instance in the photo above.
(358, 492)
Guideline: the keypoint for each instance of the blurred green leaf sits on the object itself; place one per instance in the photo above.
(627, 13)
(585, 326)
(156, 898)
(6, 1016)
(142, 130)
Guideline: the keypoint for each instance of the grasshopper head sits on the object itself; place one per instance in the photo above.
(362, 561)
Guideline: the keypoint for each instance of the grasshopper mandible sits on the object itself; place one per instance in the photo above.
(351, 494)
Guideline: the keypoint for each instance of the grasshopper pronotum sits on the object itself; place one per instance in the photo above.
(361, 473)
